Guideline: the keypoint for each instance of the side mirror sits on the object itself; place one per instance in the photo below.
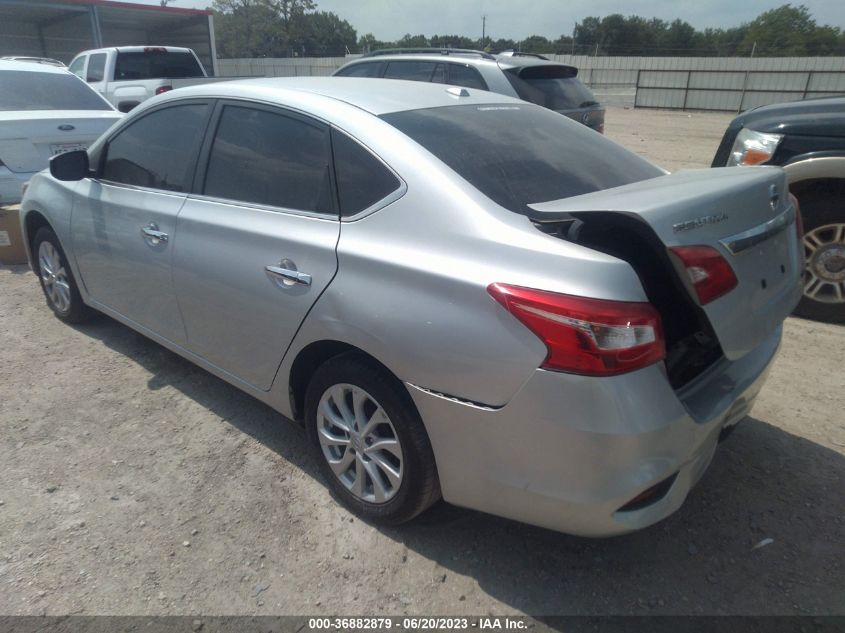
(126, 106)
(70, 165)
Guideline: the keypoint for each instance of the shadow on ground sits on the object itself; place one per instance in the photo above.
(764, 483)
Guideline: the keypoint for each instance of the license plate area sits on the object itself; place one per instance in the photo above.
(61, 148)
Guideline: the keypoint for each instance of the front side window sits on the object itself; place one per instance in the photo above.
(271, 159)
(96, 68)
(362, 179)
(411, 71)
(158, 150)
(77, 65)
(519, 155)
(25, 90)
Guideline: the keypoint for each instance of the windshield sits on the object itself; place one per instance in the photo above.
(521, 154)
(156, 64)
(553, 87)
(23, 90)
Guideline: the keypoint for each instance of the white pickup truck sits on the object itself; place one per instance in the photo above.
(128, 75)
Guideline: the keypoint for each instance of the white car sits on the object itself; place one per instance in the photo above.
(44, 110)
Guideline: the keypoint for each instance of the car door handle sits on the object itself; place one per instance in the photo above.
(154, 234)
(289, 276)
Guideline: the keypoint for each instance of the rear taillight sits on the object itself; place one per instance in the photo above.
(162, 89)
(710, 274)
(592, 337)
(155, 49)
(799, 221)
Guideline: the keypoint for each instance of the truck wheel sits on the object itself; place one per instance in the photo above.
(823, 211)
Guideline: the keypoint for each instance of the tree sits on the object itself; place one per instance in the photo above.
(326, 35)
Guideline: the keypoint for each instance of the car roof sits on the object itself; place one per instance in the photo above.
(134, 49)
(376, 96)
(501, 61)
(7, 64)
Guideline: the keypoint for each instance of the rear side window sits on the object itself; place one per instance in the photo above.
(158, 150)
(270, 159)
(362, 179)
(412, 71)
(521, 155)
(24, 90)
(96, 67)
(361, 70)
(466, 76)
(156, 64)
(553, 87)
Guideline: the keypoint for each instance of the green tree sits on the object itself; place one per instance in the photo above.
(326, 35)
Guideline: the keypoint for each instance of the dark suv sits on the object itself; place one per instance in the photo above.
(806, 138)
(526, 76)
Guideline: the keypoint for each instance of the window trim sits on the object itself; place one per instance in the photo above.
(195, 152)
(201, 171)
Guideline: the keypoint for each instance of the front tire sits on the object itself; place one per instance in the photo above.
(823, 210)
(56, 278)
(369, 440)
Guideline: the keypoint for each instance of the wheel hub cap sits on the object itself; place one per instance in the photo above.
(360, 443)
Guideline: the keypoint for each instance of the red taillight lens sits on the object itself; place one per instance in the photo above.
(799, 221)
(710, 274)
(155, 49)
(162, 89)
(592, 337)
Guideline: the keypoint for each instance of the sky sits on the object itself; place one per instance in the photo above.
(391, 19)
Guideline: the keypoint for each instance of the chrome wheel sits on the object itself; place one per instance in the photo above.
(824, 271)
(54, 276)
(359, 443)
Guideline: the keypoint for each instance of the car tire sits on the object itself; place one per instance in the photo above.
(56, 278)
(823, 212)
(362, 418)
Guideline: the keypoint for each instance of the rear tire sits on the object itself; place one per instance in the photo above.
(369, 440)
(823, 211)
(56, 278)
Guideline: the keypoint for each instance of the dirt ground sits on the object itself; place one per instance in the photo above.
(133, 482)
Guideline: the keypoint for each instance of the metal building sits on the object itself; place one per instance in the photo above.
(61, 28)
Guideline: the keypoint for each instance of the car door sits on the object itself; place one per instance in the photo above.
(257, 242)
(123, 224)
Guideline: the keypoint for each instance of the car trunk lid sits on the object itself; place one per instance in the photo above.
(745, 214)
(29, 139)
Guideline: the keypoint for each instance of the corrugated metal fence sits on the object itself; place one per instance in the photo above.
(695, 83)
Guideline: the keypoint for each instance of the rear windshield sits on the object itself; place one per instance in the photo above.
(23, 90)
(520, 155)
(553, 87)
(156, 65)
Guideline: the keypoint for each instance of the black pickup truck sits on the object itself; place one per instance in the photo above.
(807, 139)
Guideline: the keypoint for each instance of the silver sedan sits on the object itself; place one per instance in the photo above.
(459, 294)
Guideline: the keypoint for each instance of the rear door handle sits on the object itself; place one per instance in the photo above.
(288, 276)
(151, 231)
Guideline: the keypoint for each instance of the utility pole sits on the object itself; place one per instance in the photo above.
(483, 29)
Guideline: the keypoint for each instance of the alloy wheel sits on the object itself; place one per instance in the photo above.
(360, 443)
(824, 271)
(54, 276)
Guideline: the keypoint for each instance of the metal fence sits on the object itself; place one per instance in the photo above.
(695, 83)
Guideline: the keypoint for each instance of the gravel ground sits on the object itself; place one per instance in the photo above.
(133, 482)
